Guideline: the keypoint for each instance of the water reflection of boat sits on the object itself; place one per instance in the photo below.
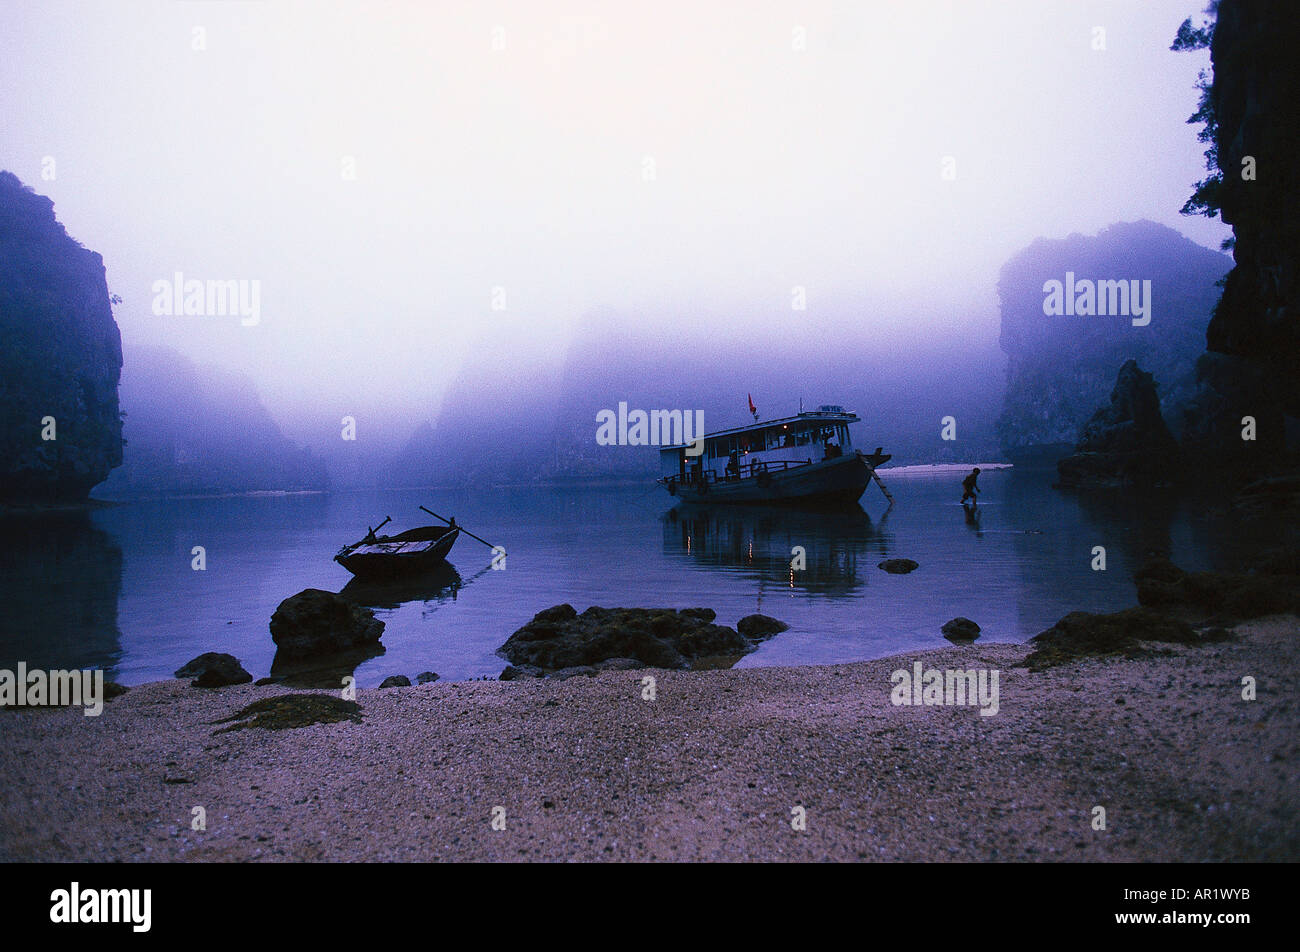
(812, 550)
(438, 584)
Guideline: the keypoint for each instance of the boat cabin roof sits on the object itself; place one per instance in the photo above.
(806, 420)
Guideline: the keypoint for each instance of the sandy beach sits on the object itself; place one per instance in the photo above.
(711, 769)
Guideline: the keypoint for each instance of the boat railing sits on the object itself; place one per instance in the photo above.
(750, 470)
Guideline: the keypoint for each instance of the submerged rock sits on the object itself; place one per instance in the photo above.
(315, 623)
(214, 670)
(426, 677)
(559, 638)
(960, 629)
(760, 626)
(898, 566)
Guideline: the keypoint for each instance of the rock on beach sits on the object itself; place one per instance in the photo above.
(960, 630)
(214, 669)
(559, 638)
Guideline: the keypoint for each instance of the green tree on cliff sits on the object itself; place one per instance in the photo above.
(1205, 198)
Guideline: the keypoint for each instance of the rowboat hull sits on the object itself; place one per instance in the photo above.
(398, 557)
(838, 481)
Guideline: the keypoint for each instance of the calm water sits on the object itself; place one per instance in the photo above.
(115, 588)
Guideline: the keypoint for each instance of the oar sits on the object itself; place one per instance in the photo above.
(462, 529)
(370, 533)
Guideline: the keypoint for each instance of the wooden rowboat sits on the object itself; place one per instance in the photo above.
(414, 551)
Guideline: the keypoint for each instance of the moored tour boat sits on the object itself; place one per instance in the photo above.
(806, 458)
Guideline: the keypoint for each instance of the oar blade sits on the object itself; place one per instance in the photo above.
(461, 528)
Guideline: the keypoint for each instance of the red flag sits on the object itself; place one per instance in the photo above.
(752, 408)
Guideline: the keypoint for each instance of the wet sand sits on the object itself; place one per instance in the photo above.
(712, 769)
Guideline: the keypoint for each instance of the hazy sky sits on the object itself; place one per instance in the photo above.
(683, 163)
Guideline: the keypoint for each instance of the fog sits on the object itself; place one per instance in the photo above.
(467, 203)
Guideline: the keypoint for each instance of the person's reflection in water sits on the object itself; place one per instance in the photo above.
(972, 512)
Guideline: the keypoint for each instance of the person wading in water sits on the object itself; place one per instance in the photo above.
(969, 488)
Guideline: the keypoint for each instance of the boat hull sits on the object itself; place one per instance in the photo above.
(838, 481)
(376, 562)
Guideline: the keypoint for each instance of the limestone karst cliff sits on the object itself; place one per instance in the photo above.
(1253, 339)
(1125, 442)
(1062, 366)
(194, 429)
(60, 360)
